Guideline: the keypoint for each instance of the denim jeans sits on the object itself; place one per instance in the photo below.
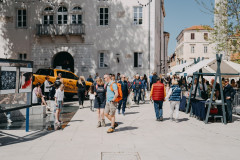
(137, 94)
(122, 104)
(158, 109)
(229, 110)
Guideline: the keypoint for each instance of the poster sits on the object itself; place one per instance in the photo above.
(25, 80)
(8, 77)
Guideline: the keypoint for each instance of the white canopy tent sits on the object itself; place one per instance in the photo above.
(210, 66)
(180, 67)
(198, 66)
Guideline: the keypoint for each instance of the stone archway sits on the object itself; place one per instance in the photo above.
(63, 60)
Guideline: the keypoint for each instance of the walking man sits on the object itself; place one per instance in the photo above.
(174, 96)
(111, 105)
(123, 102)
(158, 94)
(137, 86)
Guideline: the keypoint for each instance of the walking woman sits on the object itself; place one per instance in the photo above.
(81, 91)
(100, 101)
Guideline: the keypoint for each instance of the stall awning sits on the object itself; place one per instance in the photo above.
(198, 66)
(180, 67)
(210, 66)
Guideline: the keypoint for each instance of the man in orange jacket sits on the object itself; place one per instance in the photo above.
(158, 93)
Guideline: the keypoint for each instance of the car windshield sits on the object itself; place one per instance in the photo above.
(47, 72)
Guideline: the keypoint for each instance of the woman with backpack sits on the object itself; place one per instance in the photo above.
(100, 101)
(81, 91)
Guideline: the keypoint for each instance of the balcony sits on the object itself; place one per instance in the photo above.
(60, 30)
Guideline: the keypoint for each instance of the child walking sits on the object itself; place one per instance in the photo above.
(59, 95)
(91, 97)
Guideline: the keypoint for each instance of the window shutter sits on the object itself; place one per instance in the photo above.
(106, 59)
(139, 59)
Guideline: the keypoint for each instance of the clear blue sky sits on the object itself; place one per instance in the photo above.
(181, 14)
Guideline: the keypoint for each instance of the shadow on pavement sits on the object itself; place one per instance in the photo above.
(109, 124)
(183, 119)
(134, 106)
(128, 113)
(127, 128)
(76, 121)
(9, 139)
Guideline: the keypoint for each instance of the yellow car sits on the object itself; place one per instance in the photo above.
(69, 80)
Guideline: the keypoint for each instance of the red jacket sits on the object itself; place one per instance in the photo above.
(158, 92)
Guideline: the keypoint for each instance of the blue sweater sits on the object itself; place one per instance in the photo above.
(176, 93)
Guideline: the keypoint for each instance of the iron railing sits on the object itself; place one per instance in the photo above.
(60, 29)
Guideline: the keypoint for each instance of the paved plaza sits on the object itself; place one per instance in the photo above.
(138, 136)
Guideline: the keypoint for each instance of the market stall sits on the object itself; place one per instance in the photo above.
(198, 105)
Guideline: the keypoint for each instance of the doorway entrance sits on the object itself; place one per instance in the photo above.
(63, 60)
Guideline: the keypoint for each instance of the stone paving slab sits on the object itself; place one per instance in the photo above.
(138, 132)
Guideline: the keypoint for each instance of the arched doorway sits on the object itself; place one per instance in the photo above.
(63, 60)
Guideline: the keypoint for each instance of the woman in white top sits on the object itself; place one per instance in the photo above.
(59, 95)
(47, 87)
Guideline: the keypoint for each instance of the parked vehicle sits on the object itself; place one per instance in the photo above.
(69, 80)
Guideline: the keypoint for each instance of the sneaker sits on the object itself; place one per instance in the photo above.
(176, 120)
(118, 112)
(115, 125)
(99, 124)
(123, 114)
(103, 123)
(161, 118)
(111, 130)
(80, 107)
(158, 119)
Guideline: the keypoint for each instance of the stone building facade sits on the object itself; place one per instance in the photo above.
(194, 42)
(87, 36)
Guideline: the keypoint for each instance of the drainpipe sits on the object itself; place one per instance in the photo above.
(160, 36)
(149, 38)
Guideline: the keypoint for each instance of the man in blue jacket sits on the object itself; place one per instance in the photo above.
(137, 86)
(123, 102)
(228, 93)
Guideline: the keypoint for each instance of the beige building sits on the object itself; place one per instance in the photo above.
(86, 36)
(194, 42)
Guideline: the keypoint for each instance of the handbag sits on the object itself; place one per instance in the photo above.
(204, 95)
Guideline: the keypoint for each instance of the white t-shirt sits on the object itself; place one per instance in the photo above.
(59, 94)
(46, 86)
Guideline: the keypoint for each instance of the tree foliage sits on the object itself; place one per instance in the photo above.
(226, 33)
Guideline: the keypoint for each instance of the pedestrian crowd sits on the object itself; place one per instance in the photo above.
(109, 94)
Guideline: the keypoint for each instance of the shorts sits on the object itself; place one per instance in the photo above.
(98, 104)
(110, 108)
(59, 105)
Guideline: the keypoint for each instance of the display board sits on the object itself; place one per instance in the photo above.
(15, 84)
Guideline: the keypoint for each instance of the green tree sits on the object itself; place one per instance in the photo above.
(226, 32)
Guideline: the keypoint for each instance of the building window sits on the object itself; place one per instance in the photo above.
(206, 36)
(48, 15)
(22, 56)
(103, 60)
(77, 19)
(192, 36)
(77, 15)
(138, 15)
(21, 18)
(103, 16)
(205, 49)
(137, 59)
(192, 48)
(62, 15)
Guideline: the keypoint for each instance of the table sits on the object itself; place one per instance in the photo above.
(198, 109)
